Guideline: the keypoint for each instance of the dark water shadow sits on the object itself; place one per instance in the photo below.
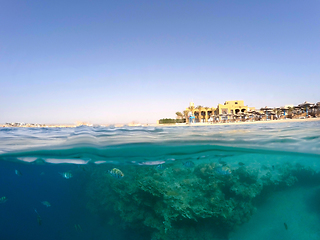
(313, 203)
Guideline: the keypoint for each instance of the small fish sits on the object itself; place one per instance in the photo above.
(66, 175)
(223, 170)
(285, 226)
(189, 164)
(38, 217)
(241, 163)
(46, 203)
(17, 172)
(115, 172)
(42, 173)
(3, 199)
(160, 167)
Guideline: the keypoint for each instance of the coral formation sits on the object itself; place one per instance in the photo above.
(206, 201)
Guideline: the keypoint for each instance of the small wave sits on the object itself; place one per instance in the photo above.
(137, 154)
(311, 137)
(129, 143)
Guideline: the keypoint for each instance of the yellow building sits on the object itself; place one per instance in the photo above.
(202, 114)
(233, 107)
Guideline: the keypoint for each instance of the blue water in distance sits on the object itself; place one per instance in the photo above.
(78, 208)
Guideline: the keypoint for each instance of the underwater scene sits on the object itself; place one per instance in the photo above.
(226, 182)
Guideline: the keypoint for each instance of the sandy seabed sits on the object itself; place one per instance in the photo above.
(298, 208)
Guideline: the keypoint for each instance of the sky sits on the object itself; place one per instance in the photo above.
(108, 62)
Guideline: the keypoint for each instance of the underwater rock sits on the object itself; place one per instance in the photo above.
(247, 175)
(176, 203)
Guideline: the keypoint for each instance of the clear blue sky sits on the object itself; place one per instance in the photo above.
(122, 61)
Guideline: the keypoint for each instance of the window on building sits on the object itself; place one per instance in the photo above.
(236, 103)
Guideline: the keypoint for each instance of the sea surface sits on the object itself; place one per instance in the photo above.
(236, 182)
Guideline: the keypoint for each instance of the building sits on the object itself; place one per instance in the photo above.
(203, 114)
(233, 107)
(199, 113)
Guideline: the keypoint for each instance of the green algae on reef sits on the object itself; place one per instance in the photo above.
(190, 203)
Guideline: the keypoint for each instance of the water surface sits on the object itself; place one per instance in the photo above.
(192, 182)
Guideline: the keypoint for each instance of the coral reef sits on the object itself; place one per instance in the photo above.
(206, 201)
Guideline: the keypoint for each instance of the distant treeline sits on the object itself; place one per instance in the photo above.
(171, 120)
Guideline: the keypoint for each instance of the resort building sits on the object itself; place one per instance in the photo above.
(233, 107)
(223, 111)
(236, 111)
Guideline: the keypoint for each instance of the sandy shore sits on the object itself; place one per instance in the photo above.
(238, 123)
(179, 124)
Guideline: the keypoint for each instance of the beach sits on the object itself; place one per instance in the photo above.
(239, 123)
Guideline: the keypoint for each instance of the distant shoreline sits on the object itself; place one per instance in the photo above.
(43, 126)
(239, 123)
(160, 125)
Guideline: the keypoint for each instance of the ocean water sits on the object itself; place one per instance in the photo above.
(237, 182)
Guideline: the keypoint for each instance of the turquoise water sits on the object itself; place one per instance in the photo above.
(255, 181)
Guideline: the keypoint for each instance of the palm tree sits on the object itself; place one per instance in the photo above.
(290, 110)
(207, 109)
(191, 109)
(214, 111)
(187, 111)
(179, 115)
(186, 114)
(277, 112)
(199, 109)
(317, 107)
